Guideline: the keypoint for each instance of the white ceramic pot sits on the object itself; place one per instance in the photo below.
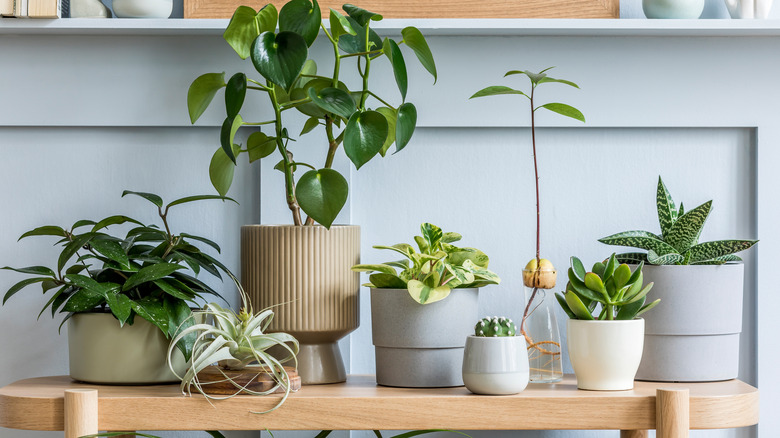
(605, 354)
(143, 8)
(495, 365)
(749, 8)
(681, 9)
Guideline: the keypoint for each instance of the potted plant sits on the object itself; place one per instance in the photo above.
(495, 360)
(124, 296)
(604, 334)
(539, 325)
(305, 264)
(694, 334)
(419, 335)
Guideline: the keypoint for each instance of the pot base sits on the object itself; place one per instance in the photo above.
(689, 358)
(419, 367)
(319, 364)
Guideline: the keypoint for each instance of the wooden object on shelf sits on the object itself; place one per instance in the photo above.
(213, 380)
(359, 404)
(633, 434)
(672, 412)
(80, 412)
(437, 8)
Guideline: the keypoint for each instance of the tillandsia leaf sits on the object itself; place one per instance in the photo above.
(386, 281)
(339, 25)
(666, 208)
(202, 92)
(322, 194)
(364, 136)
(415, 40)
(333, 100)
(711, 250)
(631, 257)
(259, 146)
(48, 230)
(227, 135)
(720, 260)
(425, 294)
(280, 58)
(151, 197)
(221, 170)
(666, 259)
(235, 92)
(246, 25)
(396, 57)
(496, 90)
(405, 124)
(302, 17)
(577, 307)
(391, 117)
(564, 110)
(687, 228)
(639, 239)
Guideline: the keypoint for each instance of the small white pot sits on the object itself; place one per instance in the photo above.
(605, 354)
(495, 365)
(143, 8)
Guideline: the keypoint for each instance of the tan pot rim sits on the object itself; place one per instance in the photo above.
(300, 226)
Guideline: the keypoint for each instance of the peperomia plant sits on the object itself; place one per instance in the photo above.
(439, 267)
(613, 286)
(678, 243)
(141, 274)
(371, 125)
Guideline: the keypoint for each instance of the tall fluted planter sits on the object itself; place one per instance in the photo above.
(305, 271)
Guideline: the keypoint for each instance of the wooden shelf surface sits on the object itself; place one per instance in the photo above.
(360, 404)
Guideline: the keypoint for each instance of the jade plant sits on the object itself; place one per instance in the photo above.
(430, 274)
(278, 42)
(610, 291)
(495, 327)
(678, 243)
(149, 273)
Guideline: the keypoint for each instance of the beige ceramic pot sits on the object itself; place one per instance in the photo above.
(305, 271)
(102, 352)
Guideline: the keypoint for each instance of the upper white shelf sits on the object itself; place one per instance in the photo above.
(441, 27)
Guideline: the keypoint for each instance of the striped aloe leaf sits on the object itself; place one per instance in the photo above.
(720, 260)
(667, 213)
(633, 258)
(639, 239)
(687, 228)
(666, 259)
(710, 250)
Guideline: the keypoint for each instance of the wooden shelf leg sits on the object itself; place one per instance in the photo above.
(672, 413)
(81, 412)
(633, 434)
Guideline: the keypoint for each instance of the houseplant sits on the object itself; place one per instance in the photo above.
(123, 296)
(419, 335)
(694, 334)
(538, 324)
(495, 360)
(314, 270)
(604, 334)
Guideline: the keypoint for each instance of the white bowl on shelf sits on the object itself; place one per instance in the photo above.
(143, 8)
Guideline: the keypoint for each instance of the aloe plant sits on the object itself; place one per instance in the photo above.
(678, 243)
(431, 274)
(290, 80)
(609, 291)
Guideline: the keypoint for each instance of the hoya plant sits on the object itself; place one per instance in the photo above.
(610, 291)
(678, 243)
(278, 44)
(430, 274)
(149, 272)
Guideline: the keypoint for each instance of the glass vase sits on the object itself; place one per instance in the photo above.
(542, 336)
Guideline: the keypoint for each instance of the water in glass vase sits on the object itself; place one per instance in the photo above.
(542, 336)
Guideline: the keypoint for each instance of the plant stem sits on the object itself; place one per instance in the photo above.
(364, 96)
(289, 183)
(536, 179)
(381, 100)
(333, 145)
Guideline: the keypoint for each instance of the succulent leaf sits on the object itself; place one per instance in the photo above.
(632, 257)
(621, 276)
(687, 228)
(666, 259)
(577, 307)
(639, 239)
(720, 260)
(577, 269)
(564, 305)
(710, 250)
(667, 212)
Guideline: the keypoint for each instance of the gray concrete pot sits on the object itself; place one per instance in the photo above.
(693, 333)
(421, 346)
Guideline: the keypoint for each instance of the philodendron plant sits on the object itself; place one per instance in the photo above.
(146, 273)
(431, 274)
(278, 44)
(678, 243)
(609, 291)
(495, 327)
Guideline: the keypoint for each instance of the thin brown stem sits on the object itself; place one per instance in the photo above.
(536, 180)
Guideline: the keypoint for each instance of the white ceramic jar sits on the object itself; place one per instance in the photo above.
(495, 365)
(680, 9)
(142, 8)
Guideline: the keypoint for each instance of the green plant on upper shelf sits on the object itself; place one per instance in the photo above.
(291, 81)
(678, 243)
(495, 327)
(236, 341)
(141, 274)
(433, 272)
(610, 284)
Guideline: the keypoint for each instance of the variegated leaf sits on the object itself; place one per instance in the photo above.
(632, 258)
(639, 239)
(666, 210)
(720, 260)
(710, 250)
(688, 227)
(666, 259)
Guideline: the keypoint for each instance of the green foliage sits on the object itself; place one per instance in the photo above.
(678, 243)
(140, 274)
(495, 327)
(439, 267)
(610, 291)
(277, 43)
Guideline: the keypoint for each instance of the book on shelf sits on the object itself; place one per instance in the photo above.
(48, 8)
(20, 8)
(6, 8)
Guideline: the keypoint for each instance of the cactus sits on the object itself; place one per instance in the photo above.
(495, 327)
(614, 286)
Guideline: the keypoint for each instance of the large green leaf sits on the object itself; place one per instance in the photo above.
(666, 210)
(387, 269)
(279, 58)
(194, 198)
(496, 90)
(631, 257)
(361, 15)
(201, 93)
(235, 92)
(339, 25)
(405, 124)
(333, 100)
(719, 248)
(564, 110)
(365, 135)
(687, 228)
(246, 25)
(639, 239)
(391, 117)
(424, 294)
(70, 249)
(179, 319)
(82, 300)
(120, 307)
(576, 306)
(221, 170)
(152, 310)
(150, 273)
(393, 53)
(114, 220)
(112, 250)
(416, 41)
(719, 260)
(21, 285)
(560, 81)
(259, 146)
(666, 259)
(151, 197)
(34, 270)
(302, 17)
(48, 230)
(357, 43)
(322, 194)
(228, 133)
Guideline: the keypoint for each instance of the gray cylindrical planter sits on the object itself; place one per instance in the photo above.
(693, 333)
(421, 346)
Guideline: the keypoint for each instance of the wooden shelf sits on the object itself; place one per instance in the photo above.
(432, 27)
(37, 404)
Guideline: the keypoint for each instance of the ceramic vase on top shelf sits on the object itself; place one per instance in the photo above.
(542, 334)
